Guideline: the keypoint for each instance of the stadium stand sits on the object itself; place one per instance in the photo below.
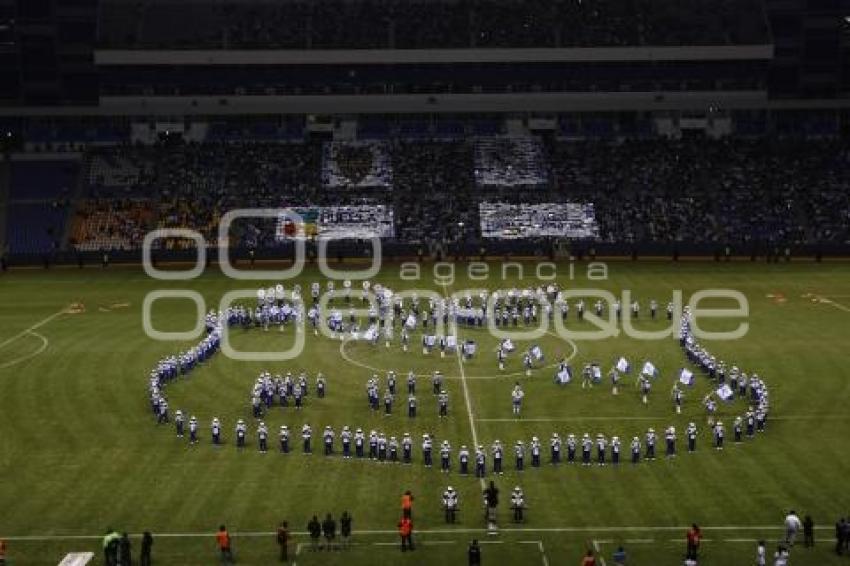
(35, 228)
(42, 179)
(111, 224)
(412, 24)
(750, 190)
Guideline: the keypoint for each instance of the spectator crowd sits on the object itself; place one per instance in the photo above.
(730, 192)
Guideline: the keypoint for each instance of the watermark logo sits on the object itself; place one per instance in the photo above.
(550, 302)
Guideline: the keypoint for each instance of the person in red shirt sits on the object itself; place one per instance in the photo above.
(222, 538)
(407, 505)
(589, 559)
(405, 531)
(694, 536)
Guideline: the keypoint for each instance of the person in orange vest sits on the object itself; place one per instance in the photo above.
(405, 531)
(407, 505)
(589, 559)
(222, 538)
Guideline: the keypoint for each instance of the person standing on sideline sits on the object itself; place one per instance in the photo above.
(761, 554)
(780, 557)
(345, 528)
(315, 530)
(792, 527)
(405, 531)
(840, 529)
(407, 505)
(145, 555)
(125, 557)
(808, 531)
(693, 537)
(222, 538)
(619, 557)
(110, 547)
(474, 553)
(329, 530)
(2, 552)
(845, 539)
(283, 541)
(491, 499)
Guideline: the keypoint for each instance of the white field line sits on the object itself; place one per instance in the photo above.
(32, 328)
(830, 302)
(44, 343)
(604, 529)
(613, 418)
(543, 556)
(466, 394)
(297, 552)
(598, 553)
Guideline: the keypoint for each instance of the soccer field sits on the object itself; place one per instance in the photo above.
(80, 450)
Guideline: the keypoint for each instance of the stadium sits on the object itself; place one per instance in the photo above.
(424, 282)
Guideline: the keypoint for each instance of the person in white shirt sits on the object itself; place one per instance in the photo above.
(761, 554)
(780, 557)
(792, 527)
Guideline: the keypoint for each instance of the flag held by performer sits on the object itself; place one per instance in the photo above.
(595, 373)
(537, 353)
(726, 393)
(649, 370)
(564, 374)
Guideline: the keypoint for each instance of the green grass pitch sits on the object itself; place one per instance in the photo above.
(80, 451)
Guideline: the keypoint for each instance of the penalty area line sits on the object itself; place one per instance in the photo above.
(32, 328)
